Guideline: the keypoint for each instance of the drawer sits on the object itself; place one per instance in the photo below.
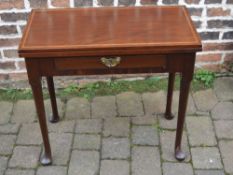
(111, 62)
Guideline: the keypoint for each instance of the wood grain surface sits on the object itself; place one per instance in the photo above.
(109, 31)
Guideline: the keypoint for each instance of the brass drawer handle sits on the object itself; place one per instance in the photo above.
(111, 62)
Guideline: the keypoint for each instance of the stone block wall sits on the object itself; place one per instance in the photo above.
(213, 20)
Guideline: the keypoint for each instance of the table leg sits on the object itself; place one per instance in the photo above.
(38, 98)
(184, 92)
(168, 113)
(55, 117)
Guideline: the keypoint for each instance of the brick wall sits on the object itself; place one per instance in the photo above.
(213, 20)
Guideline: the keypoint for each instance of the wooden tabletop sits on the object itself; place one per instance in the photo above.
(109, 30)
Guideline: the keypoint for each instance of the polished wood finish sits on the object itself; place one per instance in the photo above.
(35, 82)
(186, 78)
(151, 39)
(109, 31)
(135, 61)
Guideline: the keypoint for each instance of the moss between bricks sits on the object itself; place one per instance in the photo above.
(202, 80)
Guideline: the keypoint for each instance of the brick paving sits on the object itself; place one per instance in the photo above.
(124, 134)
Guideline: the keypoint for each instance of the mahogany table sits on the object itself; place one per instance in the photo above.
(109, 40)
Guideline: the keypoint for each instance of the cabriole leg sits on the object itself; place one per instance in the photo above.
(46, 159)
(184, 92)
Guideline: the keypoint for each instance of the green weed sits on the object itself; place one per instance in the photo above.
(205, 77)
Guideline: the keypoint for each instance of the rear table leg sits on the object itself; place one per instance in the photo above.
(168, 114)
(55, 116)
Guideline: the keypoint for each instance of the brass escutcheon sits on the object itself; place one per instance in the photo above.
(111, 62)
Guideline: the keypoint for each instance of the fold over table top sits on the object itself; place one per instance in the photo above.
(109, 31)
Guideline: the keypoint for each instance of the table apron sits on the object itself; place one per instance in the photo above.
(130, 64)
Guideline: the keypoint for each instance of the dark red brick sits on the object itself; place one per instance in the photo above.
(9, 42)
(149, 2)
(127, 2)
(60, 3)
(18, 76)
(7, 65)
(8, 29)
(195, 11)
(217, 46)
(220, 23)
(38, 3)
(229, 1)
(192, 1)
(3, 76)
(105, 2)
(197, 24)
(228, 57)
(10, 4)
(213, 1)
(12, 17)
(208, 57)
(213, 67)
(85, 3)
(170, 1)
(11, 53)
(228, 35)
(218, 12)
(209, 35)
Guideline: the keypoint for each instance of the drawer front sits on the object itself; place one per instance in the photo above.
(111, 62)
